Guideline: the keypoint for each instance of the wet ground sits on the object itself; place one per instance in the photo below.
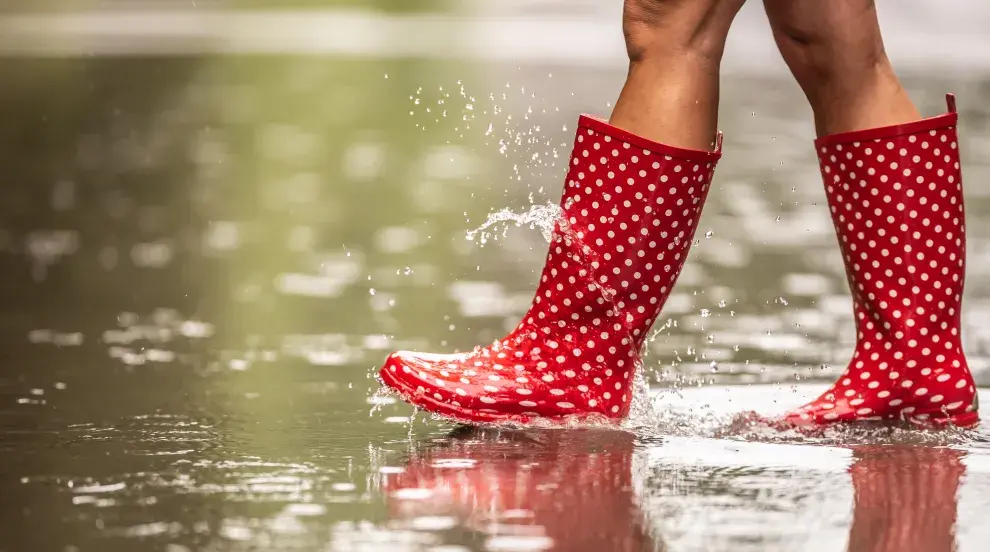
(206, 258)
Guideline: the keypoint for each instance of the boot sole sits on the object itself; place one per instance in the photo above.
(962, 421)
(470, 416)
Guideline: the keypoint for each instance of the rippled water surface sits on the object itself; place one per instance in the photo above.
(206, 258)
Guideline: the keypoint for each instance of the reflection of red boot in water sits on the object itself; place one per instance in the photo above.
(905, 499)
(544, 490)
(896, 199)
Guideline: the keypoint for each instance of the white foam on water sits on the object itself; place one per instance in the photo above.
(714, 412)
(733, 454)
(518, 542)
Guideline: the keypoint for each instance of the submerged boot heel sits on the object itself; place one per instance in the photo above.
(629, 213)
(896, 199)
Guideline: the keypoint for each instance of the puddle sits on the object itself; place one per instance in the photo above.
(208, 256)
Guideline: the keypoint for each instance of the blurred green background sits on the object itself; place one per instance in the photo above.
(206, 255)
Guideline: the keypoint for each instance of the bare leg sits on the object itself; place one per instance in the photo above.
(894, 192)
(675, 49)
(836, 53)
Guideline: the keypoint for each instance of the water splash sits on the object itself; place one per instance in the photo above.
(541, 217)
(381, 397)
(643, 412)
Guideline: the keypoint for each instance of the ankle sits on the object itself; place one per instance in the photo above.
(870, 98)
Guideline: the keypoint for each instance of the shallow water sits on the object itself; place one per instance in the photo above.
(207, 257)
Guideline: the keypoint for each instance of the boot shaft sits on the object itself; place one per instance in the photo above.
(896, 199)
(630, 209)
(897, 204)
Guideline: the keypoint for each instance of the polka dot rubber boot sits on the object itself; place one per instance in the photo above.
(629, 212)
(896, 199)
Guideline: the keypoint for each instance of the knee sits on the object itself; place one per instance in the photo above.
(830, 47)
(658, 27)
(820, 57)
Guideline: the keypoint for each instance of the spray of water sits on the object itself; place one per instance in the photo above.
(541, 217)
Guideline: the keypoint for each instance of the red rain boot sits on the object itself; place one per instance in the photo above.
(630, 210)
(897, 205)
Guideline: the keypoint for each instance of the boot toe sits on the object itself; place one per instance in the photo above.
(443, 385)
(415, 373)
(470, 387)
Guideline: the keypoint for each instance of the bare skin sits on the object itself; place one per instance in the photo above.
(675, 49)
(835, 50)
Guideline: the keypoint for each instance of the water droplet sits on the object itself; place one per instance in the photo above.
(371, 291)
(721, 304)
(705, 313)
(714, 367)
(709, 234)
(711, 338)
